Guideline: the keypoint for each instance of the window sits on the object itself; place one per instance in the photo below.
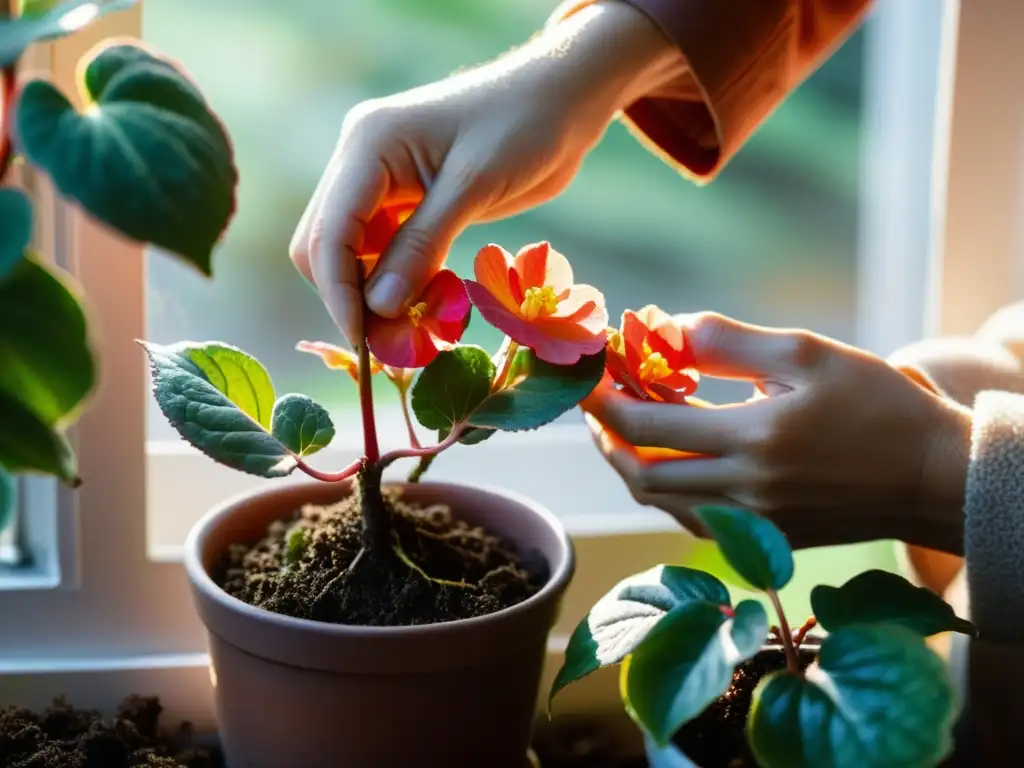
(824, 221)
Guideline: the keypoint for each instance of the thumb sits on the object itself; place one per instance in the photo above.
(729, 349)
(420, 247)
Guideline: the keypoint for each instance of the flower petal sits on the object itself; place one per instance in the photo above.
(618, 369)
(538, 264)
(337, 358)
(491, 269)
(382, 226)
(557, 342)
(446, 299)
(680, 381)
(584, 306)
(398, 343)
(633, 333)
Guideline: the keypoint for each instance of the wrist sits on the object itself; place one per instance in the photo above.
(613, 53)
(944, 476)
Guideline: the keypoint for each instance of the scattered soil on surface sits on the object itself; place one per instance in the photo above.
(435, 568)
(717, 738)
(65, 737)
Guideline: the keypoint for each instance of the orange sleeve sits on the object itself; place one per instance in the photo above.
(745, 57)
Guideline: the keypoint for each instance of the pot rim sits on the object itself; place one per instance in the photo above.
(561, 570)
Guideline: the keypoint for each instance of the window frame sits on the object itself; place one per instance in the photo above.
(122, 620)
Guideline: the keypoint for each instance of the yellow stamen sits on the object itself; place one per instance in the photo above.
(654, 366)
(416, 313)
(539, 302)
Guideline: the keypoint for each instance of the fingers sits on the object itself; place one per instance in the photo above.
(730, 349)
(336, 236)
(421, 244)
(715, 431)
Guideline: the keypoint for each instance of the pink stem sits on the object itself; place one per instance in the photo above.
(432, 450)
(8, 81)
(511, 349)
(414, 441)
(370, 446)
(332, 477)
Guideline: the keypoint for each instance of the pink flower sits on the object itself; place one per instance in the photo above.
(435, 323)
(532, 299)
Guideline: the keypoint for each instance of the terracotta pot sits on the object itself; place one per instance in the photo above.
(292, 692)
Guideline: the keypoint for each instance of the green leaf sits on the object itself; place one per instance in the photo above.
(148, 157)
(15, 228)
(29, 444)
(208, 418)
(7, 498)
(47, 362)
(881, 597)
(877, 697)
(42, 20)
(239, 376)
(621, 619)
(452, 386)
(301, 424)
(541, 393)
(752, 544)
(687, 661)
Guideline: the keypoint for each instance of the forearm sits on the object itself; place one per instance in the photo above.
(743, 58)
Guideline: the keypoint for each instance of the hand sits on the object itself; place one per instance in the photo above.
(478, 146)
(839, 447)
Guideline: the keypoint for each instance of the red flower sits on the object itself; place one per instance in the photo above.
(436, 322)
(532, 299)
(379, 230)
(649, 357)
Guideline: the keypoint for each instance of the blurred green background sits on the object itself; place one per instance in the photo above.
(773, 240)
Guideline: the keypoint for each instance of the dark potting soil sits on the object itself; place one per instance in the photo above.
(717, 738)
(435, 569)
(65, 737)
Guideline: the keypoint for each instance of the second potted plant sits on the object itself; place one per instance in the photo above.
(712, 686)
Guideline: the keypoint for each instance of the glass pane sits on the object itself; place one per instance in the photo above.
(773, 240)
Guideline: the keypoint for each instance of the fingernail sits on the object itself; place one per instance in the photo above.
(389, 293)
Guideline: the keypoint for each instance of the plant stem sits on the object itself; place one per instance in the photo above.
(371, 449)
(415, 453)
(376, 519)
(420, 469)
(403, 394)
(511, 348)
(8, 86)
(801, 633)
(792, 660)
(331, 477)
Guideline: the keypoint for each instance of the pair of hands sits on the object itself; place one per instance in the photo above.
(836, 446)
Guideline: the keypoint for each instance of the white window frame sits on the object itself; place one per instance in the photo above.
(121, 618)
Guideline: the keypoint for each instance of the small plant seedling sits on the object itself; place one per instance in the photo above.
(876, 696)
(223, 402)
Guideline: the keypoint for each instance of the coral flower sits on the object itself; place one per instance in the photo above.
(649, 357)
(532, 299)
(436, 322)
(379, 230)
